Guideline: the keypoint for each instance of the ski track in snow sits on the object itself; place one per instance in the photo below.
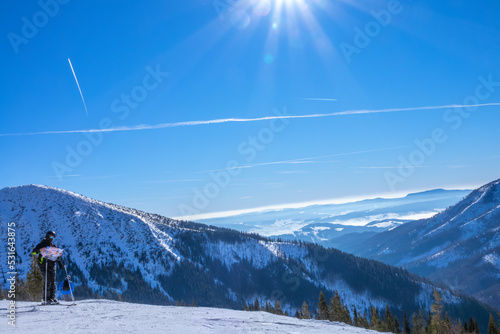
(104, 316)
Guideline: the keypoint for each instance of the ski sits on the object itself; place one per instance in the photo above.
(54, 304)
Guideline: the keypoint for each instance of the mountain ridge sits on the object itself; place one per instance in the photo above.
(464, 236)
(114, 251)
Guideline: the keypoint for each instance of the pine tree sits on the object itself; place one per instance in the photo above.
(459, 328)
(355, 320)
(436, 323)
(428, 326)
(419, 325)
(305, 311)
(256, 305)
(406, 325)
(21, 289)
(476, 327)
(363, 322)
(335, 309)
(297, 314)
(397, 328)
(34, 281)
(346, 315)
(193, 304)
(322, 308)
(492, 328)
(277, 308)
(473, 326)
(388, 324)
(375, 323)
(447, 325)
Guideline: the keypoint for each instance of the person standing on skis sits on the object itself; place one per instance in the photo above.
(48, 267)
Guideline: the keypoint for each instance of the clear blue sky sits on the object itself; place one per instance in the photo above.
(144, 67)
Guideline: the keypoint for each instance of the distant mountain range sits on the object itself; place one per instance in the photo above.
(336, 225)
(459, 247)
(114, 251)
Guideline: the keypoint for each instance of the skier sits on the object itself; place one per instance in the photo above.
(49, 275)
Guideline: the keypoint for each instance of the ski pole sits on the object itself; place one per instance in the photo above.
(72, 297)
(45, 282)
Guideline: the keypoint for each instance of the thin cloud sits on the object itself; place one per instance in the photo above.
(242, 120)
(99, 177)
(177, 197)
(175, 181)
(309, 160)
(355, 152)
(317, 99)
(292, 172)
(459, 166)
(286, 162)
(81, 177)
(385, 167)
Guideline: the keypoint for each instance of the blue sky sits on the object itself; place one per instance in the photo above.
(177, 91)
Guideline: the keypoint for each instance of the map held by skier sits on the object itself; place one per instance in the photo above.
(51, 253)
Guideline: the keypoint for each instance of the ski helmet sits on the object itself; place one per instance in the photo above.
(50, 233)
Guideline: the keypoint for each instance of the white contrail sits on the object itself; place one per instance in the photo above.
(316, 99)
(83, 100)
(229, 120)
(311, 160)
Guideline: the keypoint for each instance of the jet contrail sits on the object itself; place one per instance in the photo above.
(83, 100)
(267, 118)
(315, 99)
(308, 160)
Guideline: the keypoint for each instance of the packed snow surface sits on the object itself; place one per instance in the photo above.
(105, 316)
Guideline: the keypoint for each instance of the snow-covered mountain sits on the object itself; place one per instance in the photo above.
(116, 251)
(331, 225)
(103, 316)
(459, 247)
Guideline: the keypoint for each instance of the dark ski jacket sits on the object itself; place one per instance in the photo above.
(36, 251)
